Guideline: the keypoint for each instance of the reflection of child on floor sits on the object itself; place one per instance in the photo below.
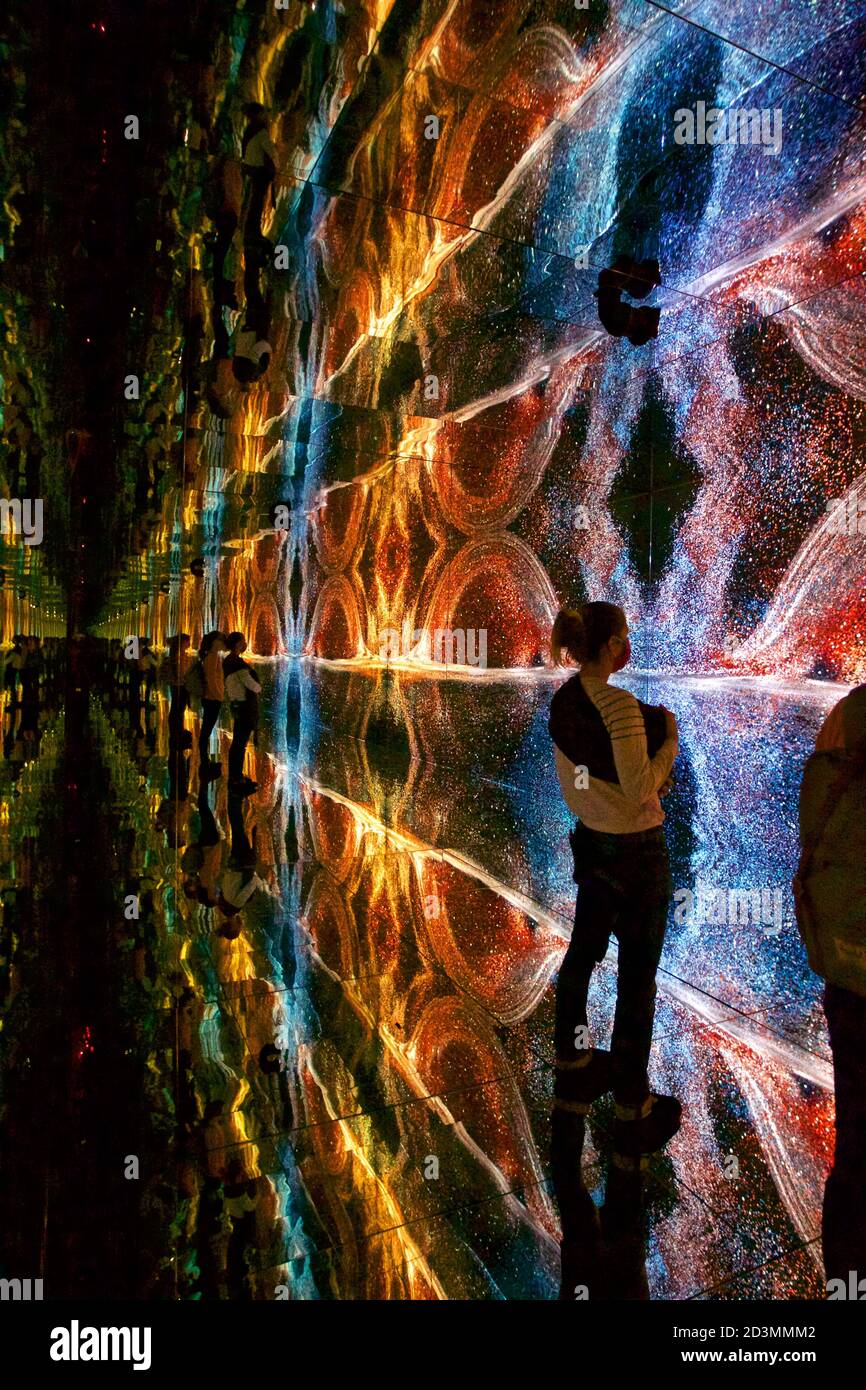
(14, 664)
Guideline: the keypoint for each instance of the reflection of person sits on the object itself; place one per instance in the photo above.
(634, 278)
(241, 1200)
(176, 668)
(830, 891)
(30, 717)
(243, 691)
(240, 881)
(230, 182)
(31, 670)
(611, 778)
(201, 863)
(213, 693)
(146, 666)
(14, 664)
(603, 1254)
(252, 356)
(259, 165)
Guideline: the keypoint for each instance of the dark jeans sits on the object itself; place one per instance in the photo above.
(209, 833)
(624, 887)
(844, 1217)
(242, 853)
(243, 726)
(258, 182)
(256, 313)
(210, 713)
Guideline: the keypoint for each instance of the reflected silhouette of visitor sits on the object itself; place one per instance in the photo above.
(175, 669)
(259, 167)
(189, 1012)
(209, 670)
(636, 279)
(226, 260)
(243, 692)
(146, 666)
(273, 1068)
(252, 356)
(240, 882)
(603, 1252)
(241, 1200)
(12, 669)
(31, 670)
(28, 712)
(201, 860)
(172, 813)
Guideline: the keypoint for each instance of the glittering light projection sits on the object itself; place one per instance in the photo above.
(471, 267)
(480, 449)
(464, 447)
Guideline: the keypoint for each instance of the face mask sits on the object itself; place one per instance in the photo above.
(624, 656)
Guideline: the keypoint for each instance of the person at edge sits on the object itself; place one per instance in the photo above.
(839, 846)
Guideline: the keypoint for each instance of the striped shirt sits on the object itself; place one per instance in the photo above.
(633, 804)
(239, 885)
